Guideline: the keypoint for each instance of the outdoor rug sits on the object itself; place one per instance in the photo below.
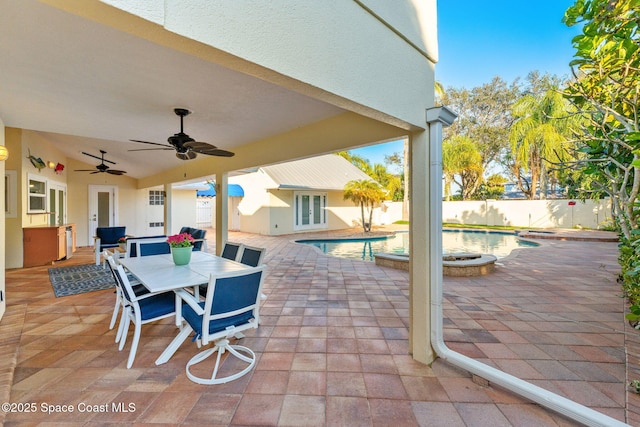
(79, 279)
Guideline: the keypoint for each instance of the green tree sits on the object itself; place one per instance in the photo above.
(484, 116)
(461, 164)
(367, 194)
(358, 161)
(539, 136)
(606, 90)
(492, 187)
(378, 172)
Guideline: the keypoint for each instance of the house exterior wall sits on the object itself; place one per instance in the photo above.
(305, 41)
(132, 202)
(3, 299)
(183, 208)
(13, 226)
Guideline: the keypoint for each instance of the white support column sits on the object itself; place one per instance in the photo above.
(222, 210)
(426, 229)
(168, 209)
(419, 249)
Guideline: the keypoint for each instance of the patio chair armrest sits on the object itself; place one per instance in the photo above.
(190, 299)
(204, 247)
(149, 294)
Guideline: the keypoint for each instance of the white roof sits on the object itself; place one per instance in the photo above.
(327, 172)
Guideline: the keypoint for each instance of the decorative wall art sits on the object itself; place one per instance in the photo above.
(36, 162)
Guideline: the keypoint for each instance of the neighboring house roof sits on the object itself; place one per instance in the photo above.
(327, 172)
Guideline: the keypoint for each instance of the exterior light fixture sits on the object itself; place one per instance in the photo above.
(4, 153)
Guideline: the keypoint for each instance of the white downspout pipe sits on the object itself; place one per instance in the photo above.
(437, 118)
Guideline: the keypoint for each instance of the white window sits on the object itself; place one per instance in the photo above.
(310, 210)
(156, 197)
(37, 202)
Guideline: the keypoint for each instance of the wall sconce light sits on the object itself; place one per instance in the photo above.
(51, 164)
(4, 153)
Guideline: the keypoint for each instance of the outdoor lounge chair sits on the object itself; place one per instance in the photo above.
(231, 306)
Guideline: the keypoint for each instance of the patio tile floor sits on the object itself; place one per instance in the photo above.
(332, 347)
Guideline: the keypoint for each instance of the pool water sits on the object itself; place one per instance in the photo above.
(486, 242)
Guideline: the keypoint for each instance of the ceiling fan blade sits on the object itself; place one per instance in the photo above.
(115, 172)
(99, 158)
(208, 149)
(152, 149)
(148, 142)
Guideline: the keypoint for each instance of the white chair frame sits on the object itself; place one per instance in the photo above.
(131, 312)
(221, 338)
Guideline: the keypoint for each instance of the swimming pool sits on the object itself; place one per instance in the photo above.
(497, 243)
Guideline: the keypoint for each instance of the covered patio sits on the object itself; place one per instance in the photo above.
(333, 347)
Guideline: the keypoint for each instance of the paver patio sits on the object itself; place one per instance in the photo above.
(332, 346)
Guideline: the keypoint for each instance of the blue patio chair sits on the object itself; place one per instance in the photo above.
(199, 237)
(149, 247)
(231, 251)
(106, 238)
(121, 301)
(231, 306)
(140, 309)
(252, 256)
(132, 243)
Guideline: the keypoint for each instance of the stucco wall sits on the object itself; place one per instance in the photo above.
(529, 213)
(78, 205)
(13, 226)
(306, 42)
(3, 299)
(183, 208)
(132, 202)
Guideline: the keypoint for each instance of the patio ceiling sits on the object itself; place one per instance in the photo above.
(90, 87)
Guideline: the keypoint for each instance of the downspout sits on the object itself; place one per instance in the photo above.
(437, 118)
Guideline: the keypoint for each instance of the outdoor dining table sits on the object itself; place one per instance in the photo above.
(158, 273)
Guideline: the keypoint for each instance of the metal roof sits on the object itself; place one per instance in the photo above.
(326, 172)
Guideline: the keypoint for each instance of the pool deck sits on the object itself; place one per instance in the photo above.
(332, 346)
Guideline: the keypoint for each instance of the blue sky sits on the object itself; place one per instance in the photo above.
(482, 39)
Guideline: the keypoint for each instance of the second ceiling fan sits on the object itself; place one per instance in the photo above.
(186, 147)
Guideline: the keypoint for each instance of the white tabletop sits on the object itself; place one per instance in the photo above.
(158, 272)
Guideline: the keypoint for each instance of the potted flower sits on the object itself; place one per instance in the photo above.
(181, 247)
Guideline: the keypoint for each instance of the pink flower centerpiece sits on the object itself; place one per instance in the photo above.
(181, 247)
(183, 240)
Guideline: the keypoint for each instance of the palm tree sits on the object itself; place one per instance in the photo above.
(538, 138)
(367, 194)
